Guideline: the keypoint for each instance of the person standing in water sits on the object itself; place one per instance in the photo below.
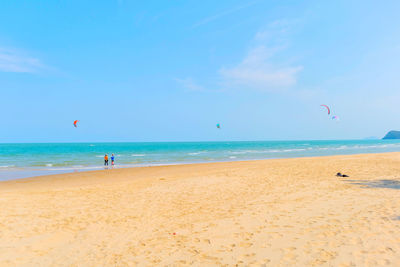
(112, 160)
(106, 160)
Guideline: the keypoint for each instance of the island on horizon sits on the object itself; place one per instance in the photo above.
(392, 135)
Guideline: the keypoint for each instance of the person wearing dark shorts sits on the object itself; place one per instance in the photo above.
(106, 160)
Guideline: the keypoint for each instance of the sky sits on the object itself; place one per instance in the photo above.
(171, 70)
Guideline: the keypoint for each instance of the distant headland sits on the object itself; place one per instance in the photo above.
(392, 135)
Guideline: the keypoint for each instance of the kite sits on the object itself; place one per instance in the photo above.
(75, 122)
(218, 126)
(329, 110)
(335, 118)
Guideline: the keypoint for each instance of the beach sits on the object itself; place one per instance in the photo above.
(275, 212)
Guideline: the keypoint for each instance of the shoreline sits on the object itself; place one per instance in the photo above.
(274, 212)
(102, 168)
(27, 160)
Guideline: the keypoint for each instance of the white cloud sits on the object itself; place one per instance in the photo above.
(13, 61)
(190, 85)
(275, 30)
(265, 66)
(256, 71)
(222, 14)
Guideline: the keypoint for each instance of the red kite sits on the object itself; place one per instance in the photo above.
(329, 111)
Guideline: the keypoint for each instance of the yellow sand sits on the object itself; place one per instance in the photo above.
(290, 212)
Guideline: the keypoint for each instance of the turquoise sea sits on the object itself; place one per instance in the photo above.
(25, 160)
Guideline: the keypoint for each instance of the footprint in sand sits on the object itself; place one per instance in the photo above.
(207, 241)
(245, 245)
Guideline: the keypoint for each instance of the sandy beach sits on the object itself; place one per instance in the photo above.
(286, 212)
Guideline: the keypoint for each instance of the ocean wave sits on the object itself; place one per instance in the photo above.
(238, 152)
(74, 168)
(253, 152)
(7, 166)
(294, 149)
(267, 151)
(197, 152)
(356, 147)
(138, 155)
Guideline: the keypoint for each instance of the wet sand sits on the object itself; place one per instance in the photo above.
(286, 212)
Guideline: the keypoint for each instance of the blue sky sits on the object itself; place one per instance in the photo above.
(171, 70)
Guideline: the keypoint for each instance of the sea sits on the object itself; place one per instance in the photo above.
(35, 159)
